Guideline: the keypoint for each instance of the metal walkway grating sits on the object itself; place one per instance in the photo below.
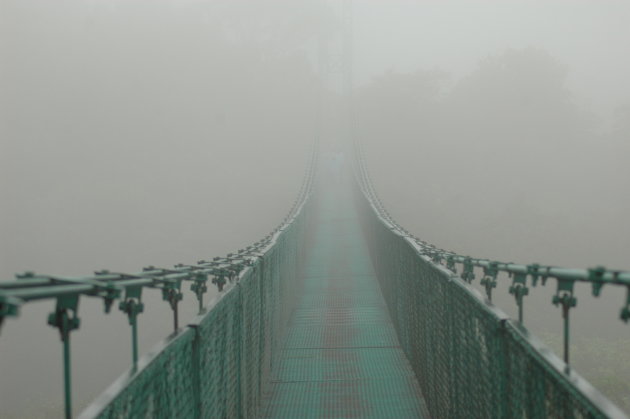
(341, 357)
(373, 398)
(341, 364)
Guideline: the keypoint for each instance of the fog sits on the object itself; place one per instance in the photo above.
(501, 130)
(138, 133)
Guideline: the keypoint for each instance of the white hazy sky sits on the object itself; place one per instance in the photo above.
(591, 37)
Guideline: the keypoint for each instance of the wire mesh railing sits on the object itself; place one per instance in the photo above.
(470, 358)
(214, 366)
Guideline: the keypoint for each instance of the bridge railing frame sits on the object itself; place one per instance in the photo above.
(471, 359)
(218, 364)
(232, 272)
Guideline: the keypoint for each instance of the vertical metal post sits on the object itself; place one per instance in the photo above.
(134, 344)
(67, 376)
(519, 290)
(564, 297)
(196, 379)
(132, 306)
(489, 281)
(61, 320)
(199, 287)
(171, 293)
(565, 315)
(176, 317)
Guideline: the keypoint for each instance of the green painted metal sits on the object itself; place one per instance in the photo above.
(235, 268)
(132, 306)
(520, 274)
(217, 366)
(358, 319)
(65, 319)
(470, 358)
(341, 357)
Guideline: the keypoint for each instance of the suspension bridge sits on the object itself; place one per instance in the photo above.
(338, 313)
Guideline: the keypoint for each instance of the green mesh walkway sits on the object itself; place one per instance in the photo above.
(341, 357)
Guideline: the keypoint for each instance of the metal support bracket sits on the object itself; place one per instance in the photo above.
(450, 264)
(489, 280)
(468, 272)
(199, 287)
(596, 276)
(132, 306)
(171, 292)
(66, 320)
(519, 290)
(564, 298)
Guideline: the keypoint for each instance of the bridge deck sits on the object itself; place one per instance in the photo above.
(341, 357)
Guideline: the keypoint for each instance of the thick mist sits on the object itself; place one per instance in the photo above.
(138, 133)
(133, 134)
(503, 133)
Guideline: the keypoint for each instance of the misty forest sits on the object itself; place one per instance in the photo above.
(137, 133)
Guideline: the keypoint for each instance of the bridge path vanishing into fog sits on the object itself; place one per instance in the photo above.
(341, 357)
(339, 312)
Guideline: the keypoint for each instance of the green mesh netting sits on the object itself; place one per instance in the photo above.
(218, 366)
(470, 359)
